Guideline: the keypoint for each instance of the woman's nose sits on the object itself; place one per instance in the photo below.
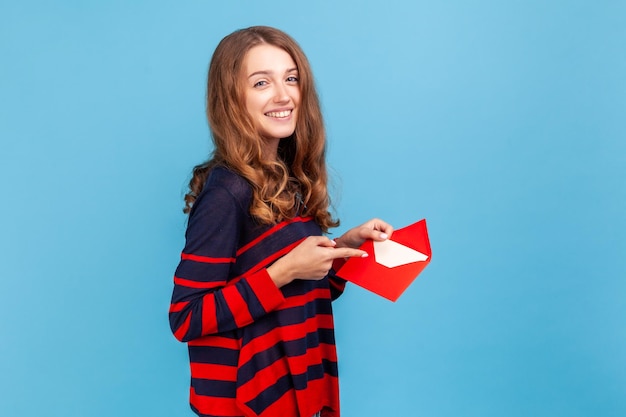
(280, 93)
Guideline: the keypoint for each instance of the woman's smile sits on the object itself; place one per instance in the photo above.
(279, 114)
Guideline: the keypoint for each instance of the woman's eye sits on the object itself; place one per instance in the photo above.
(260, 83)
(292, 79)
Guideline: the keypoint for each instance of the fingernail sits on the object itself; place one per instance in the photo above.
(383, 236)
(365, 255)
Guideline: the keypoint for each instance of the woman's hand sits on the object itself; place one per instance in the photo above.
(374, 229)
(311, 259)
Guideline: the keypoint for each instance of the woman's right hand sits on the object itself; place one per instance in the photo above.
(311, 259)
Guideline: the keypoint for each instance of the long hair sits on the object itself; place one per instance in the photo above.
(299, 172)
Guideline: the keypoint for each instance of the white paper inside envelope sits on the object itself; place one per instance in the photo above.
(392, 254)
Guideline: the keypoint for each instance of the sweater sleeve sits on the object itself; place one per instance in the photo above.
(206, 298)
(337, 285)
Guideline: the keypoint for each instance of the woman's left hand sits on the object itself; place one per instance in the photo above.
(374, 229)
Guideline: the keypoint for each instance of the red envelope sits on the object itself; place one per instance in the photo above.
(391, 265)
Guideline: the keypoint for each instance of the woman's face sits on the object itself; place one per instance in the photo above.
(272, 92)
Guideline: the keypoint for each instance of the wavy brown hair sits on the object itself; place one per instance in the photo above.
(299, 172)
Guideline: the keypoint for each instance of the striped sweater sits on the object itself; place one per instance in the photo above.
(254, 349)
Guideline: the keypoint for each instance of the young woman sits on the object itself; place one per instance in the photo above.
(252, 293)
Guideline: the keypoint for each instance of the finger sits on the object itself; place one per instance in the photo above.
(348, 253)
(322, 241)
(326, 242)
(377, 235)
(380, 230)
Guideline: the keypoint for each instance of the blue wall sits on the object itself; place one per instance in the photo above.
(501, 122)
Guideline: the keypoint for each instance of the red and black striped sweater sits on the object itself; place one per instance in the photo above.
(254, 349)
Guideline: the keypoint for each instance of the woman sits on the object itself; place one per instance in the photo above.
(252, 293)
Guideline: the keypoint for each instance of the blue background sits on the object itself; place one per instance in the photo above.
(501, 122)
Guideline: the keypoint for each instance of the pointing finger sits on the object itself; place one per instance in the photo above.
(348, 253)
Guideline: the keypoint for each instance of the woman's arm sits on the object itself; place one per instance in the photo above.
(206, 299)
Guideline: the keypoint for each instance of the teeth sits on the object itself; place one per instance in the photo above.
(278, 113)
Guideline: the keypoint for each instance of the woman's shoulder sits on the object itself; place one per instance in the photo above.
(226, 180)
(222, 176)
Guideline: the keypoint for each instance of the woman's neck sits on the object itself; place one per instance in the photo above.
(270, 150)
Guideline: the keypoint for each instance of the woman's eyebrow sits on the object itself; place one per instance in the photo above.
(263, 72)
(269, 72)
